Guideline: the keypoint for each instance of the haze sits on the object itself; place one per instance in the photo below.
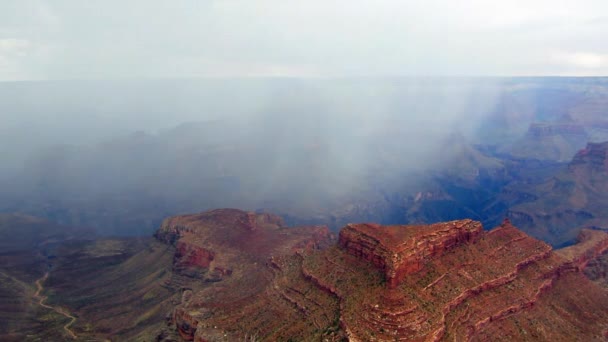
(117, 114)
(187, 145)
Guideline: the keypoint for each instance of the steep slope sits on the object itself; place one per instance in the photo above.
(443, 281)
(21, 318)
(115, 288)
(470, 286)
(590, 255)
(462, 184)
(228, 274)
(574, 198)
(25, 245)
(233, 252)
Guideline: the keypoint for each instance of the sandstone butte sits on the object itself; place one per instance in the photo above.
(245, 276)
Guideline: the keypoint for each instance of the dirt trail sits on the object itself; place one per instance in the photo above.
(58, 310)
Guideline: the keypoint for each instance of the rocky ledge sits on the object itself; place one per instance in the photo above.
(591, 245)
(445, 281)
(400, 250)
(204, 239)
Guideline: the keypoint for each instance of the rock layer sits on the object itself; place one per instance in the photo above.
(445, 281)
(230, 259)
(401, 250)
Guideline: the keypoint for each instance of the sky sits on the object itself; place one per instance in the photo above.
(74, 39)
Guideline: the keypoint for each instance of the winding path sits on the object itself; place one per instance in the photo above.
(58, 310)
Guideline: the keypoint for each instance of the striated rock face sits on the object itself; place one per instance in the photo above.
(478, 286)
(191, 257)
(592, 245)
(221, 259)
(400, 250)
(445, 281)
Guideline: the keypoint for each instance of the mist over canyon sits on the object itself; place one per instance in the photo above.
(119, 156)
(479, 187)
(217, 171)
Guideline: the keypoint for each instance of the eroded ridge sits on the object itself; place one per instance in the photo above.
(401, 250)
(441, 282)
(467, 284)
(591, 245)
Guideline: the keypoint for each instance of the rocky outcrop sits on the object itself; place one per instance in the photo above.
(204, 223)
(190, 256)
(595, 155)
(444, 281)
(465, 291)
(592, 244)
(233, 254)
(185, 323)
(401, 250)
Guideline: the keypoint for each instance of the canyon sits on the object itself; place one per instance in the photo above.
(443, 281)
(558, 207)
(228, 274)
(489, 227)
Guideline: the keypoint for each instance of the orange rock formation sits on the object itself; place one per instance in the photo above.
(445, 281)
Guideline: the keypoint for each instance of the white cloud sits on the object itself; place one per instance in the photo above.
(14, 47)
(12, 51)
(585, 60)
(115, 39)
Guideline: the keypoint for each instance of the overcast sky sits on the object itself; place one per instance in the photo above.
(75, 39)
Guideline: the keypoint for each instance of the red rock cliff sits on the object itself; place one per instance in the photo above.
(401, 250)
(446, 282)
